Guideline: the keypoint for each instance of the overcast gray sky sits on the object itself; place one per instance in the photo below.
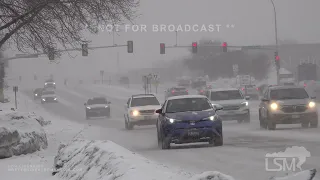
(252, 19)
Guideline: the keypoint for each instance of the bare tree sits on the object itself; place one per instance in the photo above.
(37, 24)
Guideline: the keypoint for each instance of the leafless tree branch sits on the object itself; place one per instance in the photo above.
(37, 24)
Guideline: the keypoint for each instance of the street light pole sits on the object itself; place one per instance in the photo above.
(176, 38)
(276, 35)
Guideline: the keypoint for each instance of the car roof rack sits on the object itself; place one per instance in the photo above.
(142, 95)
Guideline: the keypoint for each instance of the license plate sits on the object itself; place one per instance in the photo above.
(295, 116)
(147, 117)
(193, 133)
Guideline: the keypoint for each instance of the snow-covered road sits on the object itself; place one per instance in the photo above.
(242, 156)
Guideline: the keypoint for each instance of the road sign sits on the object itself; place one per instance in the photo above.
(245, 80)
(101, 72)
(15, 88)
(235, 68)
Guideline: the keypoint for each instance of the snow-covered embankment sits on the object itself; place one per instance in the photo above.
(21, 133)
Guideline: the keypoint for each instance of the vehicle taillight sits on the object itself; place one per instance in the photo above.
(258, 89)
(242, 89)
(172, 91)
(304, 85)
(186, 90)
(201, 91)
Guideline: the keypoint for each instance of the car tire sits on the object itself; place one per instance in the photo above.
(271, 125)
(247, 119)
(305, 124)
(314, 124)
(262, 123)
(218, 141)
(165, 143)
(128, 125)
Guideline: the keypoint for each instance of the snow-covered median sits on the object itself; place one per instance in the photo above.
(21, 133)
(84, 159)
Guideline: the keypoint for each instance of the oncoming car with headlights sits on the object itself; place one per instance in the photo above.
(97, 107)
(48, 96)
(141, 110)
(37, 93)
(287, 105)
(188, 119)
(235, 105)
(50, 84)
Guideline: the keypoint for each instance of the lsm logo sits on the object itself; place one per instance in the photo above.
(289, 160)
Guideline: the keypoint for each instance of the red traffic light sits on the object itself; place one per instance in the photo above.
(224, 44)
(277, 58)
(162, 45)
(194, 44)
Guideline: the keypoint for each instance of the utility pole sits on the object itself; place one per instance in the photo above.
(276, 36)
(118, 62)
(176, 38)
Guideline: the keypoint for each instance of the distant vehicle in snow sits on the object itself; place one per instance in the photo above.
(37, 93)
(251, 90)
(198, 83)
(97, 107)
(235, 104)
(140, 110)
(50, 83)
(188, 119)
(176, 91)
(48, 96)
(124, 80)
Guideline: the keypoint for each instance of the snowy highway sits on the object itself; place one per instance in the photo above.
(245, 145)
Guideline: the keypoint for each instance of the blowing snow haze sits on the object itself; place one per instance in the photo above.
(253, 22)
(205, 88)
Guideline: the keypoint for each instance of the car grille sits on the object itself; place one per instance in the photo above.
(294, 108)
(50, 98)
(228, 108)
(147, 111)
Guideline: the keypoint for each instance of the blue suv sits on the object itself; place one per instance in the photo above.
(188, 119)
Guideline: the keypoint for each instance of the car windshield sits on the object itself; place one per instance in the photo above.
(188, 104)
(97, 101)
(48, 92)
(250, 86)
(179, 89)
(144, 101)
(226, 95)
(293, 93)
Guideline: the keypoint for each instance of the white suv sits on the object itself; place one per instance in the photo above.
(141, 110)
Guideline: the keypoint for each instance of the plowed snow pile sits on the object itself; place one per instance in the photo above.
(21, 133)
(105, 160)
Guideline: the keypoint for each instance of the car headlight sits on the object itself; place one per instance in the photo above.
(43, 99)
(36, 94)
(274, 106)
(312, 104)
(45, 83)
(106, 106)
(212, 118)
(135, 113)
(88, 107)
(171, 120)
(54, 83)
(245, 103)
(55, 99)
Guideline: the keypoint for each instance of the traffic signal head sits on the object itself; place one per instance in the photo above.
(194, 47)
(224, 47)
(162, 48)
(51, 53)
(130, 46)
(85, 49)
(277, 59)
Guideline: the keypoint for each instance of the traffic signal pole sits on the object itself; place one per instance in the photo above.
(276, 37)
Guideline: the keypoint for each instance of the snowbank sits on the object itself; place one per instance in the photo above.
(21, 133)
(105, 160)
(303, 175)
